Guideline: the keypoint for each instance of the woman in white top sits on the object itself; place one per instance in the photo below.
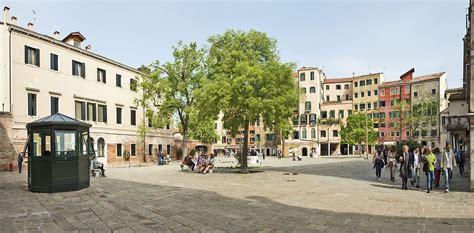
(392, 161)
(416, 169)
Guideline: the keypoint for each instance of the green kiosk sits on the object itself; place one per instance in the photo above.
(59, 150)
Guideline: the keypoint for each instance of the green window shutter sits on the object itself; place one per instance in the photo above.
(83, 70)
(26, 54)
(105, 77)
(83, 113)
(37, 57)
(94, 112)
(105, 113)
(73, 72)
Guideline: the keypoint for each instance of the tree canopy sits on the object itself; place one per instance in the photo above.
(355, 129)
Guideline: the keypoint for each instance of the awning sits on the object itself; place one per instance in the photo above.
(389, 143)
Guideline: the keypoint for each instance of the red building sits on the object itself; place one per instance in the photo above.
(392, 105)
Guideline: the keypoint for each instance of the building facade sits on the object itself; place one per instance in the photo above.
(468, 87)
(41, 75)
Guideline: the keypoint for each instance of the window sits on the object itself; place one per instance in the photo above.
(133, 149)
(341, 114)
(91, 112)
(102, 113)
(118, 80)
(338, 87)
(133, 117)
(312, 90)
(397, 134)
(362, 106)
(32, 56)
(324, 114)
(407, 133)
(346, 86)
(119, 150)
(304, 90)
(416, 133)
(332, 114)
(369, 105)
(392, 103)
(356, 107)
(382, 134)
(311, 75)
(119, 115)
(362, 94)
(80, 108)
(369, 93)
(101, 77)
(168, 149)
(323, 133)
(382, 103)
(77, 43)
(433, 91)
(54, 61)
(327, 87)
(347, 97)
(391, 125)
(304, 119)
(362, 83)
(302, 77)
(312, 119)
(327, 98)
(133, 84)
(382, 92)
(307, 106)
(407, 89)
(335, 133)
(376, 81)
(338, 98)
(356, 95)
(415, 94)
(369, 82)
(349, 112)
(434, 133)
(375, 92)
(150, 149)
(355, 84)
(392, 134)
(376, 125)
(160, 147)
(392, 91)
(54, 105)
(303, 133)
(375, 104)
(257, 137)
(382, 124)
(78, 69)
(31, 104)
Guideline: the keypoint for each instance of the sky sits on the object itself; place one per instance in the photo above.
(341, 36)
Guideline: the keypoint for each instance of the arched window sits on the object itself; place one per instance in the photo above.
(313, 133)
(307, 106)
(303, 134)
(100, 147)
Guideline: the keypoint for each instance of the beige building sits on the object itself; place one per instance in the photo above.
(454, 121)
(426, 89)
(44, 74)
(335, 109)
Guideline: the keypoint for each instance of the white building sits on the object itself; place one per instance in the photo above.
(41, 75)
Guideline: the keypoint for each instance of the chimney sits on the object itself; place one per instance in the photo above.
(353, 74)
(89, 48)
(13, 20)
(30, 26)
(56, 35)
(6, 14)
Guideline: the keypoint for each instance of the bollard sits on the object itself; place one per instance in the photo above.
(11, 167)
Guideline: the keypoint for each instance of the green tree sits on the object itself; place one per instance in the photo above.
(247, 81)
(168, 90)
(356, 128)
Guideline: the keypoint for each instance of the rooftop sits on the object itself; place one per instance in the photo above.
(304, 68)
(338, 80)
(428, 77)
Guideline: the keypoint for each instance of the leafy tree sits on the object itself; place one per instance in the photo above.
(425, 113)
(354, 132)
(168, 90)
(247, 81)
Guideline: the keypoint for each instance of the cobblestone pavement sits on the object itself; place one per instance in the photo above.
(313, 195)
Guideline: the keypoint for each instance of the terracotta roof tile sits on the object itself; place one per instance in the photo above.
(428, 77)
(338, 80)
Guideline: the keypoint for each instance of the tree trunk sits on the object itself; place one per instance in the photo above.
(245, 149)
(282, 144)
(185, 143)
(360, 149)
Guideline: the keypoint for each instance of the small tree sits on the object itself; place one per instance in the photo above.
(357, 127)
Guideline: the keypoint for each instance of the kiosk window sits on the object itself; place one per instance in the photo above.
(65, 141)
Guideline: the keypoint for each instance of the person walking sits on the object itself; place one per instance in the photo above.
(447, 163)
(416, 167)
(392, 160)
(405, 164)
(461, 161)
(430, 159)
(20, 162)
(378, 165)
(438, 168)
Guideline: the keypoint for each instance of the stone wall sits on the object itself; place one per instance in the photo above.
(7, 149)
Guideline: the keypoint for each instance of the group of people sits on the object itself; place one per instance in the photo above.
(204, 163)
(411, 163)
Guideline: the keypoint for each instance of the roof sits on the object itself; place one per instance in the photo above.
(391, 83)
(337, 80)
(446, 111)
(457, 96)
(307, 68)
(428, 77)
(412, 70)
(74, 34)
(57, 119)
(50, 39)
(454, 90)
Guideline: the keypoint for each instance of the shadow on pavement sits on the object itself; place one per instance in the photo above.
(112, 204)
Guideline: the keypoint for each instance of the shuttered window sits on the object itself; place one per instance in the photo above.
(102, 109)
(133, 117)
(78, 69)
(118, 80)
(31, 104)
(119, 115)
(101, 76)
(80, 110)
(32, 56)
(54, 105)
(54, 61)
(91, 112)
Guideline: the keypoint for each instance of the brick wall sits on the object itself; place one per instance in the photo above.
(7, 149)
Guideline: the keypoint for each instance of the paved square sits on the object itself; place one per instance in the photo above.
(313, 195)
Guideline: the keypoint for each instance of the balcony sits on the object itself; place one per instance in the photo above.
(453, 123)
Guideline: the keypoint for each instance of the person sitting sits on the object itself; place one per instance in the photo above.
(98, 165)
(188, 161)
(209, 164)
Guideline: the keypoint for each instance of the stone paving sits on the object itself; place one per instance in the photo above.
(313, 195)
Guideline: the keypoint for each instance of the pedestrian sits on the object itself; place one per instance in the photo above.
(438, 168)
(263, 155)
(392, 160)
(416, 167)
(447, 163)
(430, 161)
(20, 162)
(160, 158)
(405, 164)
(378, 165)
(461, 161)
